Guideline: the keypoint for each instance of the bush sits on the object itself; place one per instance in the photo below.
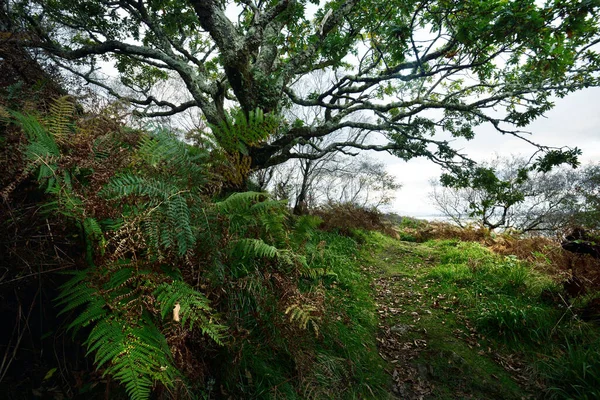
(347, 217)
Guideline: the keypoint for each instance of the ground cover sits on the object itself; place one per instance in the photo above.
(458, 321)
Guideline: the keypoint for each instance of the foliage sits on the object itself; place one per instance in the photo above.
(588, 192)
(508, 194)
(177, 273)
(398, 60)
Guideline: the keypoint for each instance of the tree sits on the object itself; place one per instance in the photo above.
(334, 178)
(411, 68)
(588, 194)
(507, 194)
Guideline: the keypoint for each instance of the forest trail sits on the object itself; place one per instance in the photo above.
(429, 346)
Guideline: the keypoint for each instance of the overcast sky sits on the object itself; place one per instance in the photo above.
(574, 122)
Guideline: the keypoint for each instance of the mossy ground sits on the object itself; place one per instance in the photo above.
(457, 321)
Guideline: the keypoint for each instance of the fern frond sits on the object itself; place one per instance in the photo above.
(136, 351)
(253, 248)
(93, 233)
(239, 132)
(193, 308)
(95, 311)
(119, 278)
(301, 314)
(42, 152)
(45, 145)
(75, 297)
(129, 184)
(179, 217)
(239, 202)
(184, 162)
(61, 111)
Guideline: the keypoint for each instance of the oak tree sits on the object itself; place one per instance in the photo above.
(402, 71)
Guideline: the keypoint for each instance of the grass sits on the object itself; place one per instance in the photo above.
(486, 328)
(332, 353)
(347, 363)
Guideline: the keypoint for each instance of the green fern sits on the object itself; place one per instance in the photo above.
(238, 132)
(136, 353)
(251, 248)
(128, 345)
(189, 306)
(42, 152)
(239, 202)
(184, 164)
(168, 218)
(161, 219)
(248, 210)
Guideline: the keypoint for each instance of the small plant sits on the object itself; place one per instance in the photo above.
(573, 372)
(512, 320)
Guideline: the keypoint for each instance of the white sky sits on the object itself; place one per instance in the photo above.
(573, 122)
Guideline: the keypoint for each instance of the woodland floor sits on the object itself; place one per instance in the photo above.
(430, 347)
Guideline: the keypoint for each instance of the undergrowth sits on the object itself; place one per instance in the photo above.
(182, 288)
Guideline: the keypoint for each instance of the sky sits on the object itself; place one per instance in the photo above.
(573, 122)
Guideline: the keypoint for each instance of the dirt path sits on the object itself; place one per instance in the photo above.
(410, 380)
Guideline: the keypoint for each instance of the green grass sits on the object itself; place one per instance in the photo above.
(347, 363)
(335, 356)
(472, 308)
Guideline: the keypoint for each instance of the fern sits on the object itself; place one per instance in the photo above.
(161, 219)
(168, 218)
(239, 202)
(130, 347)
(42, 152)
(239, 132)
(192, 308)
(181, 162)
(252, 248)
(252, 209)
(137, 352)
(128, 184)
(61, 112)
(301, 314)
(93, 233)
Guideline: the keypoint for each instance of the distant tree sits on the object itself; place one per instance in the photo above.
(411, 68)
(588, 194)
(505, 193)
(360, 181)
(337, 178)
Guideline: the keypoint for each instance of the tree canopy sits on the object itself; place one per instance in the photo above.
(401, 71)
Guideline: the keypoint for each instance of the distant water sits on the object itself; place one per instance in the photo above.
(432, 217)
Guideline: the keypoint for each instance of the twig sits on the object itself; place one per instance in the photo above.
(6, 361)
(34, 274)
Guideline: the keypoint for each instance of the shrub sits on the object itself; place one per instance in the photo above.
(347, 217)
